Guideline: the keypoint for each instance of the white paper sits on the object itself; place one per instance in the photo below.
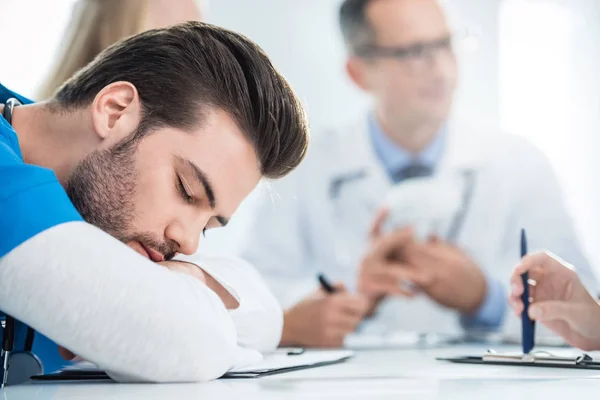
(281, 360)
(274, 361)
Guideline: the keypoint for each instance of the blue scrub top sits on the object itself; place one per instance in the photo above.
(31, 201)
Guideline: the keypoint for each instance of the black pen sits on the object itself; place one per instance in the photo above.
(8, 342)
(326, 285)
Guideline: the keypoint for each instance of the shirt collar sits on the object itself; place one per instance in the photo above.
(394, 157)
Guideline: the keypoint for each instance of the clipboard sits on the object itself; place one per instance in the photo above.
(537, 359)
(294, 361)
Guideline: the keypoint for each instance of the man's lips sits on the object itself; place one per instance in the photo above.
(155, 255)
(147, 252)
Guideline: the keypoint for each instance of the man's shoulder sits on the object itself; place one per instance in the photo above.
(489, 139)
(15, 175)
(31, 197)
(8, 138)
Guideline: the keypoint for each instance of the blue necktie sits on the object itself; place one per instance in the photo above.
(414, 170)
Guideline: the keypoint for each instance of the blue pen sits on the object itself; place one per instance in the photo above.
(528, 338)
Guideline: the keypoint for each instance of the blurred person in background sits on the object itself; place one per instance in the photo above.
(329, 215)
(97, 24)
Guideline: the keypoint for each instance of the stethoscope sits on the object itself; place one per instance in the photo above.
(348, 180)
(17, 366)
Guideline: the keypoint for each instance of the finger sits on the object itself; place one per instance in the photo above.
(347, 323)
(65, 353)
(340, 287)
(422, 254)
(351, 304)
(390, 243)
(434, 239)
(548, 311)
(334, 337)
(393, 281)
(398, 272)
(516, 285)
(387, 288)
(516, 305)
(377, 225)
(530, 261)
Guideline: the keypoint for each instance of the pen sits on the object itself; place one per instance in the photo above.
(528, 326)
(326, 285)
(8, 342)
(296, 351)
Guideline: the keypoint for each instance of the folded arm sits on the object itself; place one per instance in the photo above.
(137, 320)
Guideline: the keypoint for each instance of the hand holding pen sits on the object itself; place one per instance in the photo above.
(324, 318)
(560, 301)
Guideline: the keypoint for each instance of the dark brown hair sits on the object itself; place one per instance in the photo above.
(355, 26)
(183, 70)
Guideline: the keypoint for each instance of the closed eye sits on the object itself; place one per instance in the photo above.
(185, 194)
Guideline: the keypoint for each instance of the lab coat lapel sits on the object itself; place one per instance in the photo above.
(362, 186)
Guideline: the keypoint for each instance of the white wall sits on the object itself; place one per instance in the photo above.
(551, 94)
(31, 31)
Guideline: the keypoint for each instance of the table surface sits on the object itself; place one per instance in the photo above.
(371, 374)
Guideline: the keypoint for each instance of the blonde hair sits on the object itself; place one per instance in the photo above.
(94, 26)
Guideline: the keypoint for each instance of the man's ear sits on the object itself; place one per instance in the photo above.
(357, 71)
(116, 111)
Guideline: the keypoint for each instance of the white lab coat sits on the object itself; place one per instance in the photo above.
(298, 230)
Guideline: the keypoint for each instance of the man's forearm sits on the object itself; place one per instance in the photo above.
(93, 295)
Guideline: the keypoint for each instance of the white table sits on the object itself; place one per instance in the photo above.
(371, 375)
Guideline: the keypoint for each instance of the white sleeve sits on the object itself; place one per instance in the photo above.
(258, 319)
(131, 317)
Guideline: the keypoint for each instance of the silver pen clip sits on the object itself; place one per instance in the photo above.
(538, 357)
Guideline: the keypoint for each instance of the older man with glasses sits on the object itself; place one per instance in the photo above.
(329, 216)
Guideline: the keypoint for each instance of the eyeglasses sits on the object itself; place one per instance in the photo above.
(418, 54)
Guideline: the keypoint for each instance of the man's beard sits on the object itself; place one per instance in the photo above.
(102, 188)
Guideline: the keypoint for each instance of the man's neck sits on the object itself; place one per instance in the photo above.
(50, 139)
(415, 137)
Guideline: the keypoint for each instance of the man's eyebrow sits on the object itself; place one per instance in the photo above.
(201, 177)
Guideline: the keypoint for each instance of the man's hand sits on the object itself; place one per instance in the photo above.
(382, 272)
(447, 275)
(192, 269)
(559, 300)
(396, 265)
(66, 353)
(323, 320)
(186, 268)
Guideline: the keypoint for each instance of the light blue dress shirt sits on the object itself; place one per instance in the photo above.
(490, 315)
